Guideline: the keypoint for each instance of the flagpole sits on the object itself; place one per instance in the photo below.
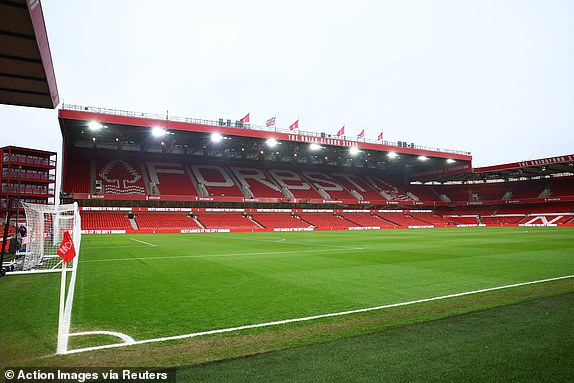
(62, 337)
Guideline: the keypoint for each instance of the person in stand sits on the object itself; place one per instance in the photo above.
(22, 231)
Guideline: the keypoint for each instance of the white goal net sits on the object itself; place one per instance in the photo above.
(46, 225)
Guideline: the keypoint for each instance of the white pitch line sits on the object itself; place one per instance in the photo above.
(126, 338)
(303, 319)
(145, 243)
(215, 255)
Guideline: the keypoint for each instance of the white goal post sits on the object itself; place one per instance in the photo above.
(45, 226)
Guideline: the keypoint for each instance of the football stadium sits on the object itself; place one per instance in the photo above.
(228, 250)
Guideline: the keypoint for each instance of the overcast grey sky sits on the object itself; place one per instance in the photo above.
(494, 77)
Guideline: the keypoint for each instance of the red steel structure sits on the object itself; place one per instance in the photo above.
(27, 175)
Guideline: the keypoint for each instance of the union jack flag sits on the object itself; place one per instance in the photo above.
(271, 122)
(362, 134)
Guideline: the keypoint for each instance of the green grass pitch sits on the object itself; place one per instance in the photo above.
(155, 286)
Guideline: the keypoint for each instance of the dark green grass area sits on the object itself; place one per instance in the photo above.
(29, 322)
(527, 342)
(150, 286)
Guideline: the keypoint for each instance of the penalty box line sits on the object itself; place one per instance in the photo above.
(309, 318)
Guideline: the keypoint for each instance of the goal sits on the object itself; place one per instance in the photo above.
(45, 226)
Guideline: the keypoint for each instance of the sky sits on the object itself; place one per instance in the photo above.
(492, 77)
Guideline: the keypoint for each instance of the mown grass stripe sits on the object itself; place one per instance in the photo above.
(314, 317)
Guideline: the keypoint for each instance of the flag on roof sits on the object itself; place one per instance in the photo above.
(294, 125)
(66, 251)
(271, 122)
(362, 134)
(245, 119)
(341, 131)
(380, 137)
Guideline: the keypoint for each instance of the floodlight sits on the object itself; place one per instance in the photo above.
(94, 125)
(271, 142)
(216, 137)
(354, 150)
(423, 158)
(392, 155)
(158, 132)
(314, 147)
(450, 161)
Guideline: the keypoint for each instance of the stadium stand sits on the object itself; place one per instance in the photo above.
(155, 176)
(402, 219)
(226, 221)
(77, 177)
(365, 220)
(390, 192)
(165, 221)
(356, 183)
(167, 178)
(527, 189)
(216, 180)
(502, 219)
(423, 192)
(561, 186)
(456, 192)
(105, 221)
(242, 184)
(279, 221)
(120, 177)
(325, 220)
(258, 181)
(432, 219)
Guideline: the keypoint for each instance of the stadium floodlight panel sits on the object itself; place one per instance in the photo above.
(271, 142)
(94, 126)
(315, 147)
(450, 161)
(354, 150)
(216, 137)
(158, 132)
(392, 155)
(423, 158)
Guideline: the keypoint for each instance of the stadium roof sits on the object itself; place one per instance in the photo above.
(26, 71)
(532, 168)
(131, 132)
(543, 167)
